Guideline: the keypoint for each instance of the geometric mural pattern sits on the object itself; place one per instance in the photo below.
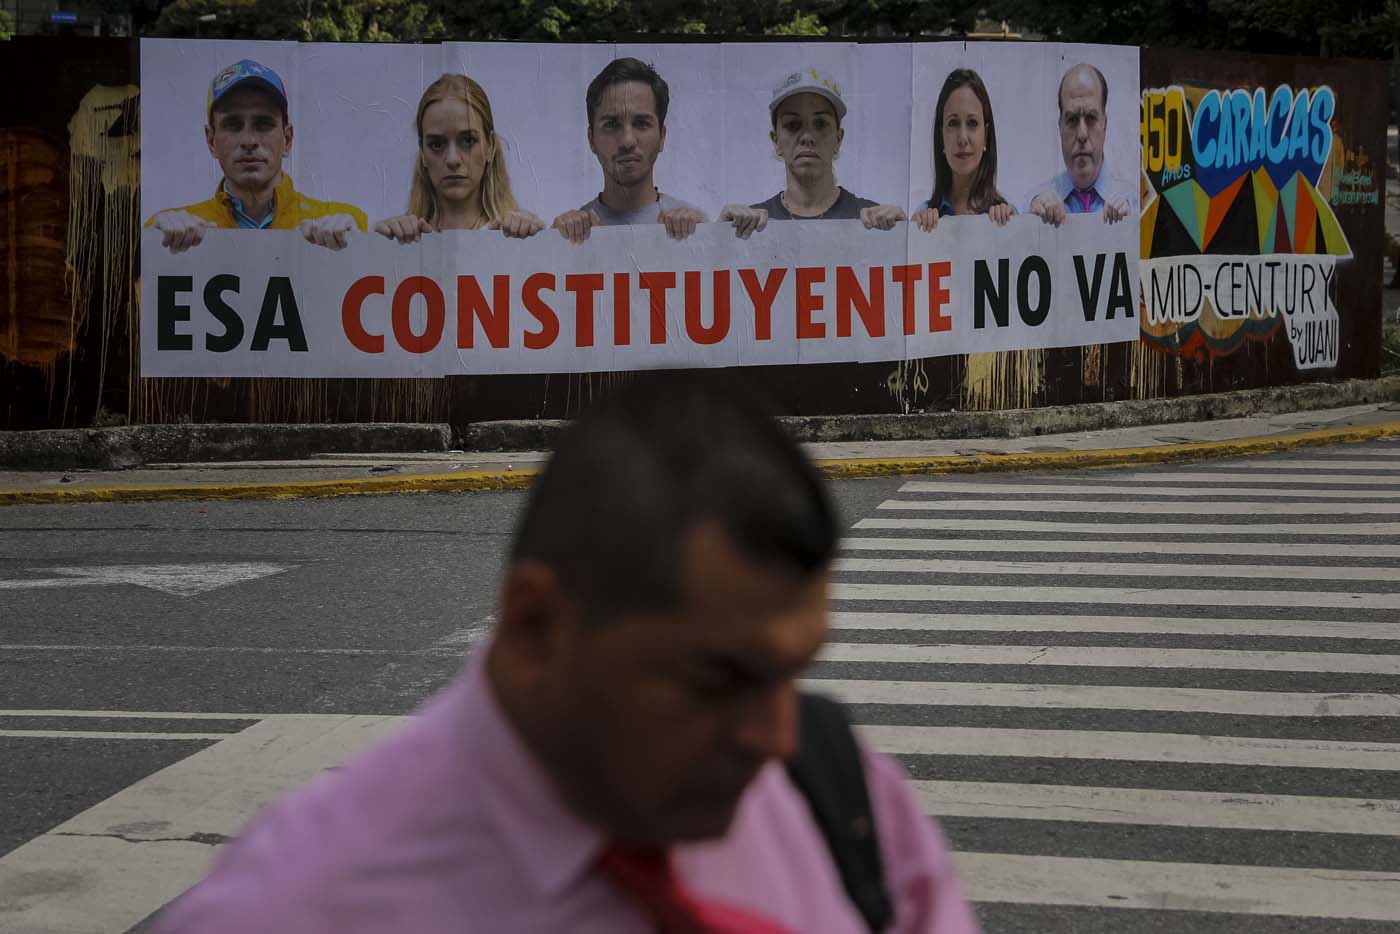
(1291, 219)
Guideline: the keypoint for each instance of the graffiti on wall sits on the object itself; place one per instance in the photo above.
(1239, 239)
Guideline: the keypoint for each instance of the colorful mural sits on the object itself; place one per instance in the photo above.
(1239, 239)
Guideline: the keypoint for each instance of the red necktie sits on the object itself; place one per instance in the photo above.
(1085, 198)
(645, 875)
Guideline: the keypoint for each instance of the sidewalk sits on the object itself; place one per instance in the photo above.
(349, 474)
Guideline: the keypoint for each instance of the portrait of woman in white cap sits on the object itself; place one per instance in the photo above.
(806, 113)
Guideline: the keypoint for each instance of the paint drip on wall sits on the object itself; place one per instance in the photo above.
(104, 171)
(1009, 379)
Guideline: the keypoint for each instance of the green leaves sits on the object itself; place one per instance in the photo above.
(1365, 28)
(317, 20)
(1308, 27)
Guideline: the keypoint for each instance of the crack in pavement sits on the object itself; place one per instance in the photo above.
(210, 839)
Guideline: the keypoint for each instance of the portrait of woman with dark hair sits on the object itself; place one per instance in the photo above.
(964, 155)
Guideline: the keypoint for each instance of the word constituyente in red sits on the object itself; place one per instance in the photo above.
(371, 311)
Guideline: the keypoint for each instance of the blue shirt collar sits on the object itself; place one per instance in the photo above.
(244, 221)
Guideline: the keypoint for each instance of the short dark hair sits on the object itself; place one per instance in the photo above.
(628, 69)
(649, 463)
(1103, 87)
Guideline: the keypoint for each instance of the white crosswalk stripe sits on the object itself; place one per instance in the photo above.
(1157, 509)
(1318, 464)
(1118, 569)
(1173, 625)
(1136, 747)
(1099, 697)
(1119, 597)
(1340, 453)
(1254, 478)
(1231, 666)
(1111, 657)
(1176, 887)
(1271, 529)
(1113, 547)
(1263, 491)
(1171, 808)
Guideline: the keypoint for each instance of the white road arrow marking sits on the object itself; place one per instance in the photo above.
(182, 580)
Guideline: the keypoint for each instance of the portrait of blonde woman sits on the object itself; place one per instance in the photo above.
(460, 180)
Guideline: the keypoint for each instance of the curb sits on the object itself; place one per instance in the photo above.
(480, 481)
(125, 447)
(541, 434)
(129, 446)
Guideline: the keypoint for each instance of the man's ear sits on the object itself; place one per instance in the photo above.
(591, 148)
(662, 147)
(536, 618)
(287, 141)
(209, 140)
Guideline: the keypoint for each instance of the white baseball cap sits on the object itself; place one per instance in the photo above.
(808, 81)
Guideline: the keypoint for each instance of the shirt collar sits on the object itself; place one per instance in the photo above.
(1065, 185)
(552, 846)
(281, 194)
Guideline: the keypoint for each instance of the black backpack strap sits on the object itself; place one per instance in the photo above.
(829, 772)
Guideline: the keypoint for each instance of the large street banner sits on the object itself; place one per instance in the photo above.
(382, 210)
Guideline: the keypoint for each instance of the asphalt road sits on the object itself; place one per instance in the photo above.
(364, 606)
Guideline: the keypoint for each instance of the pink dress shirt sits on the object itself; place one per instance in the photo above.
(451, 826)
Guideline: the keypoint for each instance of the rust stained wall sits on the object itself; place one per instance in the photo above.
(33, 215)
(51, 389)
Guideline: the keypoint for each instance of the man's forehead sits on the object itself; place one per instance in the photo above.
(758, 635)
(1087, 104)
(245, 101)
(1079, 89)
(746, 597)
(627, 97)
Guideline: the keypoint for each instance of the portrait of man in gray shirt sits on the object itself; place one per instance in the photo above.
(627, 105)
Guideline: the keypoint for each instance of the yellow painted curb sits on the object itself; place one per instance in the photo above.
(478, 481)
(474, 481)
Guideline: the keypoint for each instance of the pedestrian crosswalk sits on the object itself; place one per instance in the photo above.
(1163, 700)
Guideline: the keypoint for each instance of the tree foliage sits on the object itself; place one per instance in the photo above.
(1362, 28)
(7, 25)
(308, 20)
(621, 19)
(1334, 27)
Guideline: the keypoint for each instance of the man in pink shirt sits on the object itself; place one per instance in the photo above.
(614, 761)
